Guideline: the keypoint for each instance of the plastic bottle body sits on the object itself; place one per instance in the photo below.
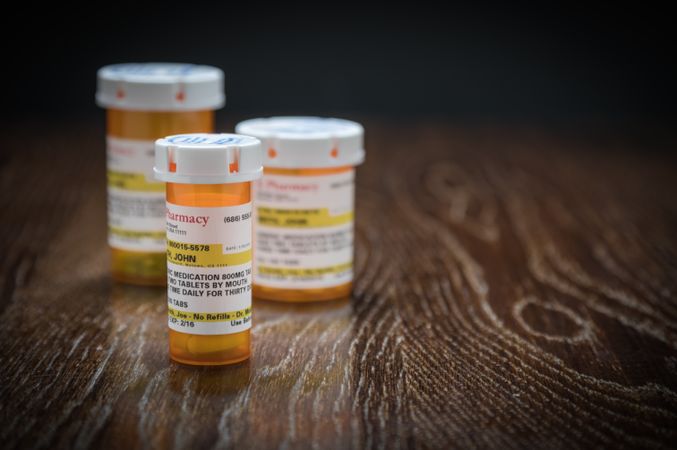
(290, 287)
(131, 263)
(211, 349)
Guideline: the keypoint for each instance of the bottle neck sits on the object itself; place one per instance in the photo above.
(209, 195)
(310, 171)
(151, 125)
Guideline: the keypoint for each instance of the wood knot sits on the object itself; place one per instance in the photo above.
(552, 321)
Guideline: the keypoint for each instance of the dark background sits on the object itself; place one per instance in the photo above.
(479, 62)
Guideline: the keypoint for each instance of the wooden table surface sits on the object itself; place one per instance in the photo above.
(515, 287)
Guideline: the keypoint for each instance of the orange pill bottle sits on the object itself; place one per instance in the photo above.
(144, 102)
(209, 244)
(304, 215)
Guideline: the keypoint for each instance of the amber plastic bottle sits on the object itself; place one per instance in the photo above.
(304, 223)
(145, 102)
(209, 244)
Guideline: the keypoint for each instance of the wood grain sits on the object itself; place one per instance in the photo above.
(515, 287)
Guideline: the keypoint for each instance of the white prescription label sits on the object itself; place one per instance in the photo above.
(209, 268)
(304, 230)
(136, 201)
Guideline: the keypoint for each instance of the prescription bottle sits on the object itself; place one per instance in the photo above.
(209, 244)
(145, 102)
(304, 211)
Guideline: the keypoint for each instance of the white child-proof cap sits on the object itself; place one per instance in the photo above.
(160, 87)
(205, 158)
(307, 142)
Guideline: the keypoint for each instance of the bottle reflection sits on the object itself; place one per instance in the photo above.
(301, 366)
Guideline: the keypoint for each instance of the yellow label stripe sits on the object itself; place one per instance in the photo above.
(210, 316)
(133, 182)
(301, 218)
(303, 272)
(136, 234)
(204, 255)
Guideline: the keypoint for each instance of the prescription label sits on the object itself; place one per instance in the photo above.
(304, 230)
(136, 202)
(209, 268)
